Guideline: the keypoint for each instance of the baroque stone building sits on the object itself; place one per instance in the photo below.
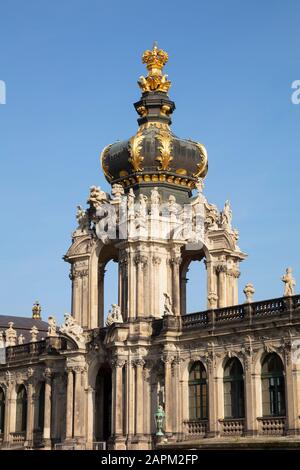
(227, 374)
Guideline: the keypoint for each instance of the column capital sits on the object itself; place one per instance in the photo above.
(138, 362)
(117, 363)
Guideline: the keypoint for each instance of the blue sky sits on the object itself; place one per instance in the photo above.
(70, 69)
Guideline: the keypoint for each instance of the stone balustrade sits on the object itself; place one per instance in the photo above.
(195, 428)
(232, 427)
(272, 426)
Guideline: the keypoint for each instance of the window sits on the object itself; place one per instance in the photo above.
(21, 411)
(233, 389)
(198, 399)
(273, 394)
(2, 410)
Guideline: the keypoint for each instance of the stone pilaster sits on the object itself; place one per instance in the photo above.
(70, 398)
(175, 266)
(47, 409)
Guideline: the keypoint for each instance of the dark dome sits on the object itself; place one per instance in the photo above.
(154, 154)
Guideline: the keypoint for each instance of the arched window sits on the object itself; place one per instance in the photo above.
(233, 389)
(21, 411)
(273, 394)
(41, 407)
(198, 391)
(193, 287)
(2, 410)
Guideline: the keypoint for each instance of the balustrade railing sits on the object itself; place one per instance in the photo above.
(18, 437)
(273, 426)
(268, 307)
(195, 428)
(232, 427)
(226, 314)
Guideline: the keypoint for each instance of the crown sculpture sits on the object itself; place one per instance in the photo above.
(155, 61)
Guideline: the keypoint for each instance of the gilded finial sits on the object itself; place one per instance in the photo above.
(155, 61)
(36, 311)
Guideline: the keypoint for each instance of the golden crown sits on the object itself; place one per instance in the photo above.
(155, 59)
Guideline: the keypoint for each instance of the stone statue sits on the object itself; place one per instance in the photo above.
(159, 419)
(51, 326)
(11, 335)
(130, 202)
(117, 190)
(96, 196)
(249, 291)
(155, 197)
(2, 339)
(72, 329)
(200, 184)
(226, 215)
(289, 282)
(211, 216)
(173, 207)
(114, 315)
(21, 339)
(34, 334)
(82, 219)
(168, 309)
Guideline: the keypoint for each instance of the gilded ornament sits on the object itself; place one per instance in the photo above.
(165, 150)
(103, 163)
(155, 80)
(135, 147)
(202, 166)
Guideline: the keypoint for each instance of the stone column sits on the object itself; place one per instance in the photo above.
(90, 415)
(78, 403)
(117, 389)
(47, 409)
(101, 274)
(10, 413)
(175, 264)
(250, 402)
(177, 416)
(168, 395)
(221, 270)
(141, 262)
(213, 428)
(291, 393)
(139, 364)
(30, 415)
(70, 398)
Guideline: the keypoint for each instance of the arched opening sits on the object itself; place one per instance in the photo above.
(41, 407)
(273, 391)
(193, 282)
(2, 410)
(234, 405)
(21, 409)
(108, 283)
(103, 404)
(198, 397)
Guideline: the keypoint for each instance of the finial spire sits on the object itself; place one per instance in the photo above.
(155, 61)
(36, 310)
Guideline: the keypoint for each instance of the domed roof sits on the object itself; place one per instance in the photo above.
(154, 154)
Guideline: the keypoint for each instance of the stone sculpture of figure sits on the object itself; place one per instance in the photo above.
(51, 326)
(212, 300)
(71, 328)
(21, 339)
(159, 419)
(289, 282)
(114, 315)
(211, 216)
(96, 196)
(249, 291)
(34, 334)
(173, 207)
(130, 202)
(200, 184)
(117, 190)
(11, 335)
(82, 219)
(2, 339)
(226, 215)
(168, 309)
(155, 197)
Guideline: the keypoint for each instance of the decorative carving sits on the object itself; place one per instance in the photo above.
(211, 216)
(11, 335)
(21, 339)
(289, 283)
(200, 185)
(249, 291)
(212, 299)
(165, 150)
(138, 362)
(135, 147)
(96, 197)
(72, 329)
(51, 326)
(114, 315)
(82, 219)
(168, 308)
(117, 191)
(118, 363)
(140, 259)
(156, 260)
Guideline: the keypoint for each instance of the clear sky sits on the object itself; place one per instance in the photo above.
(70, 68)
